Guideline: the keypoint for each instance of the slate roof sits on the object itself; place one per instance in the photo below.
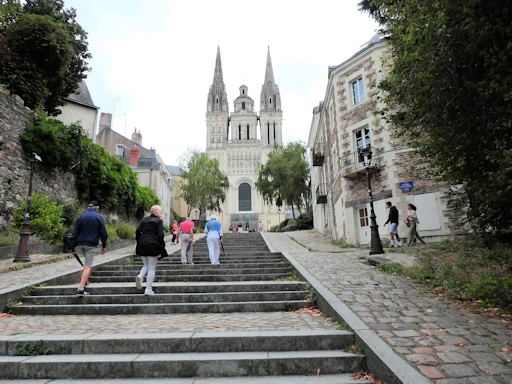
(174, 170)
(82, 96)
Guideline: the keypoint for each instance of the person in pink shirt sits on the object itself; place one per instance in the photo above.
(187, 237)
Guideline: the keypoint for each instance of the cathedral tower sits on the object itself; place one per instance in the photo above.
(217, 109)
(271, 115)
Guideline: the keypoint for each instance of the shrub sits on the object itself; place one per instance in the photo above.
(45, 218)
(198, 230)
(121, 231)
(274, 228)
(305, 221)
(282, 224)
(112, 233)
(71, 210)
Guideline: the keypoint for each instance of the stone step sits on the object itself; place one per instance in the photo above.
(183, 342)
(161, 298)
(192, 287)
(157, 308)
(211, 277)
(168, 266)
(219, 270)
(169, 365)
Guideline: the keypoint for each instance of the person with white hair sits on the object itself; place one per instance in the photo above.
(150, 245)
(213, 230)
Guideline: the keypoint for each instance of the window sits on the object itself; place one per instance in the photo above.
(239, 132)
(274, 131)
(120, 150)
(357, 91)
(243, 105)
(248, 131)
(362, 138)
(217, 100)
(244, 197)
(243, 92)
(270, 100)
(363, 217)
(162, 190)
(268, 132)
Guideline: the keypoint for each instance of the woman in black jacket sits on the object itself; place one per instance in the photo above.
(150, 245)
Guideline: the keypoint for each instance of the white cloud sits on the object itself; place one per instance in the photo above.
(158, 58)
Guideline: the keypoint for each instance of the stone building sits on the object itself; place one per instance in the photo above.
(347, 121)
(178, 204)
(79, 107)
(241, 141)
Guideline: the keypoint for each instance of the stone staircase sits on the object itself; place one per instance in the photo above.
(246, 281)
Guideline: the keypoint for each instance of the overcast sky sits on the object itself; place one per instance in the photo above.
(157, 58)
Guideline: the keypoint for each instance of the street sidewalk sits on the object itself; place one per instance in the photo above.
(447, 344)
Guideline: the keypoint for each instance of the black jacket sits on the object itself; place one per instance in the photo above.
(150, 237)
(393, 216)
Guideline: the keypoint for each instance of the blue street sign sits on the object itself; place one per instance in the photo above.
(406, 186)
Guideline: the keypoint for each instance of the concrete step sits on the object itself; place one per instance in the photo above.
(209, 277)
(169, 365)
(219, 270)
(157, 308)
(168, 266)
(192, 287)
(186, 342)
(166, 298)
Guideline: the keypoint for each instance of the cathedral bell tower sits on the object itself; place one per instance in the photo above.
(271, 115)
(217, 109)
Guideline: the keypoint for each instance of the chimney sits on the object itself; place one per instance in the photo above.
(105, 121)
(137, 137)
(134, 156)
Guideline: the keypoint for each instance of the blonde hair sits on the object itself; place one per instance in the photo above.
(156, 210)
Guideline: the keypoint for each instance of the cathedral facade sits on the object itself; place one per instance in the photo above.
(241, 141)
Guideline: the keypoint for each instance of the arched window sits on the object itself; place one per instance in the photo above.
(239, 131)
(243, 105)
(274, 131)
(217, 101)
(270, 100)
(243, 91)
(268, 132)
(244, 198)
(248, 131)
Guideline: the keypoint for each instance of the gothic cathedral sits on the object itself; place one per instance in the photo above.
(241, 141)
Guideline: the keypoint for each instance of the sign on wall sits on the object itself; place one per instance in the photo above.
(406, 186)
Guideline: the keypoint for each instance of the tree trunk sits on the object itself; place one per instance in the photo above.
(293, 212)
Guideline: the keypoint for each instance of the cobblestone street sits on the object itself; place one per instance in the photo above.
(448, 345)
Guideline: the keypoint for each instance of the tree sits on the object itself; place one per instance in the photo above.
(204, 184)
(448, 92)
(43, 52)
(285, 177)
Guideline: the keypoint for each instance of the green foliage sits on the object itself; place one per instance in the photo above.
(198, 229)
(129, 261)
(9, 238)
(176, 216)
(43, 51)
(45, 217)
(448, 93)
(145, 198)
(71, 210)
(285, 177)
(274, 228)
(204, 184)
(305, 221)
(390, 268)
(120, 231)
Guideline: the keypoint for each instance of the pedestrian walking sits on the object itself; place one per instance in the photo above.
(247, 221)
(87, 231)
(231, 228)
(174, 229)
(213, 230)
(150, 245)
(260, 226)
(186, 232)
(393, 226)
(412, 222)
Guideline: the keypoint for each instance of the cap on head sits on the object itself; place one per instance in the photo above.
(93, 204)
(213, 217)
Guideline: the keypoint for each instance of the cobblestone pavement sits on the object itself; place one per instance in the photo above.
(448, 345)
(196, 322)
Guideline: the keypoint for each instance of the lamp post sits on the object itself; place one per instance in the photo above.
(22, 252)
(197, 214)
(365, 157)
(279, 212)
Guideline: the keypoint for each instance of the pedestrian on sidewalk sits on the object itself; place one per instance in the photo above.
(393, 227)
(412, 222)
(187, 237)
(174, 229)
(213, 230)
(260, 226)
(150, 245)
(87, 231)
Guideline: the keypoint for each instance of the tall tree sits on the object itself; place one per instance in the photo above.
(34, 36)
(285, 177)
(204, 185)
(448, 92)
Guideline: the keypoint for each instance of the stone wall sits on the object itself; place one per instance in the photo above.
(14, 117)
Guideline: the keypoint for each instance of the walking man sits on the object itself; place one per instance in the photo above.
(88, 230)
(213, 230)
(186, 238)
(393, 227)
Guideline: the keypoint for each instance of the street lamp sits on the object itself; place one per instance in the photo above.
(279, 212)
(22, 252)
(197, 214)
(365, 157)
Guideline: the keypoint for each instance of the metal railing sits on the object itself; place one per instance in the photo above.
(350, 163)
(321, 194)
(318, 155)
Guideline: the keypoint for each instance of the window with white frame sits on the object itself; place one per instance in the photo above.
(172, 202)
(357, 91)
(120, 150)
(362, 137)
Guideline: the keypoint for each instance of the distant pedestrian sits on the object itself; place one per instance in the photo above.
(186, 232)
(174, 229)
(87, 231)
(260, 226)
(231, 228)
(213, 230)
(247, 222)
(412, 222)
(150, 245)
(393, 227)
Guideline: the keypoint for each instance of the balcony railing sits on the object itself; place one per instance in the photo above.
(321, 194)
(318, 155)
(351, 167)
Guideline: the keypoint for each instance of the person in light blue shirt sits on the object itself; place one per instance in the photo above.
(213, 230)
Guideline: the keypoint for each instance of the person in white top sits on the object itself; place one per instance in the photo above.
(213, 230)
(260, 226)
(411, 222)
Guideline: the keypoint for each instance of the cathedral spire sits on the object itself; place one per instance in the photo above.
(270, 97)
(269, 72)
(217, 75)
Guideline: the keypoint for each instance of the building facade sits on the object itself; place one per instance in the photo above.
(241, 141)
(346, 122)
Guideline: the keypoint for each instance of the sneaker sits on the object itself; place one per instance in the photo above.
(149, 291)
(217, 263)
(82, 293)
(138, 282)
(392, 246)
(191, 263)
(400, 244)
